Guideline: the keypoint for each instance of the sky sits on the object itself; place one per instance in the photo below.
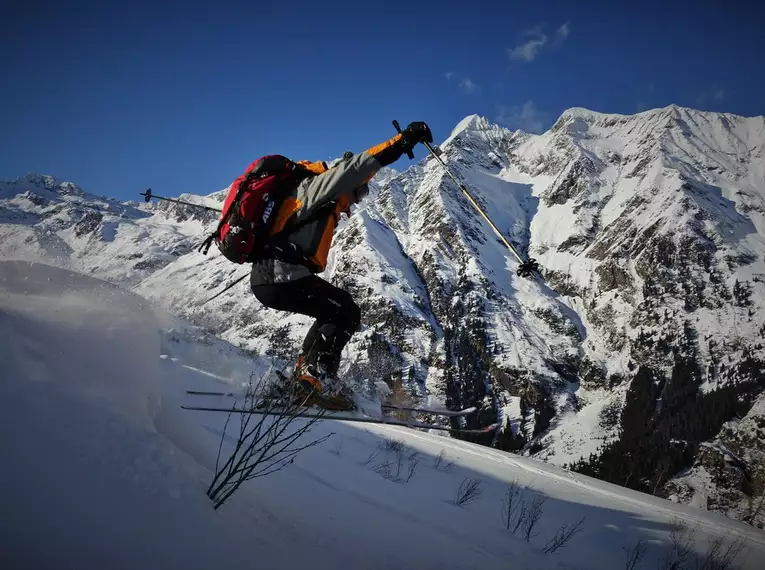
(182, 96)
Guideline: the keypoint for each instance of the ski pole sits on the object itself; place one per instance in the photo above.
(472, 200)
(526, 266)
(148, 196)
(218, 294)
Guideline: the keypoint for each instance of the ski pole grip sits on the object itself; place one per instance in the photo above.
(410, 154)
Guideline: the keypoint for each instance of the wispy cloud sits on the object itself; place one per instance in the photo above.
(563, 31)
(525, 117)
(537, 40)
(464, 84)
(469, 87)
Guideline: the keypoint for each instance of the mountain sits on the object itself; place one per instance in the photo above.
(637, 359)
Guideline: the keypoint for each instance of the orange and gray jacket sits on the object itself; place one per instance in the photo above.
(332, 191)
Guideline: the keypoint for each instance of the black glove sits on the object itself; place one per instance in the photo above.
(391, 150)
(416, 133)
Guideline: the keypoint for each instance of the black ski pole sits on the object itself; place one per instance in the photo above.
(148, 196)
(225, 289)
(526, 267)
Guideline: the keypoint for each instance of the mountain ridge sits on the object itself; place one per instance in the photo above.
(650, 230)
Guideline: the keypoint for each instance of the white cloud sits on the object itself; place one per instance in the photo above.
(525, 117)
(465, 84)
(537, 41)
(469, 87)
(563, 31)
(529, 50)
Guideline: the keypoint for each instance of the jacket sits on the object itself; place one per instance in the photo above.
(320, 199)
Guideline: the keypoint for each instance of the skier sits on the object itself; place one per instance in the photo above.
(294, 286)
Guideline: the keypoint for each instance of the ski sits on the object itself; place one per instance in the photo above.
(358, 419)
(386, 407)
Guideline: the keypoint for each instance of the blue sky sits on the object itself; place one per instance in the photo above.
(182, 96)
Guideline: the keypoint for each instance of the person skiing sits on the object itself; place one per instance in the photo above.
(288, 280)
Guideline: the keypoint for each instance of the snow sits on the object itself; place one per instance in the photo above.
(103, 469)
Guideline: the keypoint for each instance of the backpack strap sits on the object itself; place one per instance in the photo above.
(205, 245)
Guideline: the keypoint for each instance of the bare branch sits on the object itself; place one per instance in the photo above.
(439, 459)
(511, 503)
(394, 445)
(533, 516)
(523, 513)
(468, 491)
(399, 460)
(267, 442)
(383, 469)
(372, 457)
(681, 539)
(412, 468)
(634, 554)
(722, 553)
(563, 535)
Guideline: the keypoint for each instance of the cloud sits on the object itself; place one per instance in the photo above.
(563, 31)
(525, 117)
(537, 40)
(465, 84)
(468, 87)
(529, 50)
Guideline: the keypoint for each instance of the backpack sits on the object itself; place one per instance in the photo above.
(246, 229)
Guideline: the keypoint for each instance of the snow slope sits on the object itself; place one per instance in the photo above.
(103, 469)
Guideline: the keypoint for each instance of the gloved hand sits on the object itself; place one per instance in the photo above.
(391, 150)
(415, 133)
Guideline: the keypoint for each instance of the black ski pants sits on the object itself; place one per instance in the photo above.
(337, 315)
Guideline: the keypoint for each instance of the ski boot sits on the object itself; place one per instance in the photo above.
(318, 388)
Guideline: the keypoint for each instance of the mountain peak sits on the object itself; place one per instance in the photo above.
(470, 123)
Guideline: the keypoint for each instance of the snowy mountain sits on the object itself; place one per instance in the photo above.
(637, 359)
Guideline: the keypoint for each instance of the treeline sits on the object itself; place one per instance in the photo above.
(665, 419)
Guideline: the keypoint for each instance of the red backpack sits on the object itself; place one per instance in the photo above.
(251, 207)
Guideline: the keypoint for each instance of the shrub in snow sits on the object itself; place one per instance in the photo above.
(468, 492)
(440, 462)
(721, 554)
(264, 444)
(562, 536)
(532, 515)
(635, 554)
